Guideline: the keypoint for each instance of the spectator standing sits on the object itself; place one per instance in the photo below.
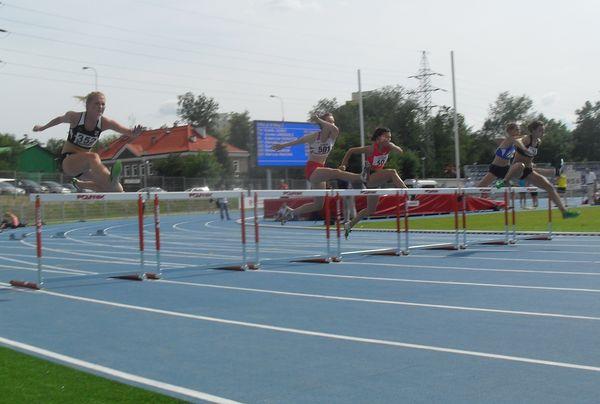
(223, 204)
(590, 184)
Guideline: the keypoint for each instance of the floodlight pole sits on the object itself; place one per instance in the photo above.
(456, 142)
(361, 118)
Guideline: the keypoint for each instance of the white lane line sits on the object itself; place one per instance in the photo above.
(341, 337)
(52, 268)
(458, 256)
(166, 387)
(374, 278)
(533, 271)
(379, 301)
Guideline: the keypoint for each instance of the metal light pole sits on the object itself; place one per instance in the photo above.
(95, 75)
(281, 101)
(423, 166)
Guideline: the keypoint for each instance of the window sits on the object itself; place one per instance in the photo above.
(134, 170)
(142, 170)
(149, 165)
(236, 166)
(126, 171)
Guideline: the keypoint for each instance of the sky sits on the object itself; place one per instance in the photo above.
(146, 52)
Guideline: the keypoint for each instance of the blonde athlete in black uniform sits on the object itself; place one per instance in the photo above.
(85, 127)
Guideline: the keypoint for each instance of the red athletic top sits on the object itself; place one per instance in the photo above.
(379, 157)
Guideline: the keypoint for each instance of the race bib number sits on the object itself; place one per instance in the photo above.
(84, 140)
(379, 161)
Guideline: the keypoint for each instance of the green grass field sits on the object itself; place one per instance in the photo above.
(529, 220)
(27, 379)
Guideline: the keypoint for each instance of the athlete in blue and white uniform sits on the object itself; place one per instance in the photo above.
(85, 127)
(503, 156)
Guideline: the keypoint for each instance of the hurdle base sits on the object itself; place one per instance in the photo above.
(391, 251)
(129, 277)
(494, 242)
(233, 267)
(316, 260)
(435, 247)
(540, 237)
(24, 284)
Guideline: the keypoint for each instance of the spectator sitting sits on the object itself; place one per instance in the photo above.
(10, 221)
(283, 185)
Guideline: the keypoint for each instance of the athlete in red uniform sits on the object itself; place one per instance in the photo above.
(374, 174)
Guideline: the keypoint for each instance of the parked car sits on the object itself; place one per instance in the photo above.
(7, 188)
(151, 190)
(198, 189)
(55, 187)
(74, 190)
(31, 187)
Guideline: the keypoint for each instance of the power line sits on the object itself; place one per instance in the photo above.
(180, 76)
(306, 61)
(143, 82)
(143, 90)
(154, 57)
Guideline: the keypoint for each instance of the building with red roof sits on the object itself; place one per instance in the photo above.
(151, 145)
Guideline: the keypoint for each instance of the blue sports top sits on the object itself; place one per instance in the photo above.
(506, 153)
(81, 137)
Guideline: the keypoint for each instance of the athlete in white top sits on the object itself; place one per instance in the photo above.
(85, 127)
(320, 145)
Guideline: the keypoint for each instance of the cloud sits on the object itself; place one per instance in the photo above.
(168, 108)
(549, 99)
(294, 5)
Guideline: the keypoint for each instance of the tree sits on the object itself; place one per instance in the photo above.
(172, 166)
(10, 149)
(55, 146)
(222, 156)
(586, 135)
(200, 111)
(240, 131)
(505, 109)
(323, 106)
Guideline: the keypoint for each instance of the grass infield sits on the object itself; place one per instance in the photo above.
(28, 379)
(527, 220)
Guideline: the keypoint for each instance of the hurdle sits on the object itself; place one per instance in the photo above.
(141, 199)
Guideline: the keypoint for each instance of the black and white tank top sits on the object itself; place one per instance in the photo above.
(81, 137)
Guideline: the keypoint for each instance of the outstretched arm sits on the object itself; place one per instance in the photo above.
(66, 118)
(304, 139)
(330, 128)
(350, 152)
(396, 148)
(117, 127)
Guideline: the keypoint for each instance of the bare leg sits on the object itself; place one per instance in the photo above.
(93, 170)
(487, 180)
(316, 204)
(327, 174)
(516, 170)
(372, 201)
(386, 175)
(318, 180)
(541, 182)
